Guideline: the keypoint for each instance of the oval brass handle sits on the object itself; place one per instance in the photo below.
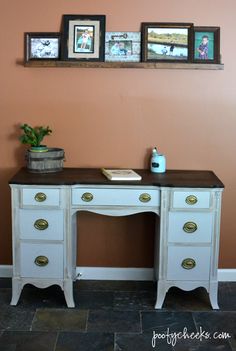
(41, 224)
(190, 227)
(40, 197)
(87, 197)
(145, 197)
(191, 200)
(41, 261)
(188, 263)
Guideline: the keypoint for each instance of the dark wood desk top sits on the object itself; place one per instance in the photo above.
(73, 176)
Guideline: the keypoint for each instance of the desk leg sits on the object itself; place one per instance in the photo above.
(68, 292)
(161, 293)
(16, 290)
(213, 294)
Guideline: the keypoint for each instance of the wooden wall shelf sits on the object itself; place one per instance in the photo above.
(145, 65)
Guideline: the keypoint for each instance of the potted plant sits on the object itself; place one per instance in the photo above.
(34, 137)
(40, 158)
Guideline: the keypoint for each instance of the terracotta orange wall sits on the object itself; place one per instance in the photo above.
(113, 117)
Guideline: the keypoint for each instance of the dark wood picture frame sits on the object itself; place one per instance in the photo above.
(165, 46)
(210, 51)
(42, 46)
(83, 37)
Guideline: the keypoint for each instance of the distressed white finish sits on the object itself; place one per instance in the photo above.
(58, 241)
(28, 197)
(55, 219)
(172, 251)
(178, 199)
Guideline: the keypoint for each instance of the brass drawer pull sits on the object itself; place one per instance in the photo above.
(191, 200)
(188, 263)
(145, 197)
(40, 197)
(87, 197)
(41, 224)
(190, 227)
(41, 261)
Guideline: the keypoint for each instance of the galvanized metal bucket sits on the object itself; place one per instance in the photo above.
(45, 162)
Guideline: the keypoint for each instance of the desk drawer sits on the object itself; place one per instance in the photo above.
(191, 199)
(41, 260)
(190, 227)
(188, 263)
(40, 197)
(115, 197)
(41, 224)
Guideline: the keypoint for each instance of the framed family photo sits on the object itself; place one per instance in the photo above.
(42, 46)
(83, 37)
(123, 46)
(206, 44)
(167, 42)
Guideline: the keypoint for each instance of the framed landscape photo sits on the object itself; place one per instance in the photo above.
(167, 42)
(206, 44)
(83, 37)
(42, 46)
(123, 46)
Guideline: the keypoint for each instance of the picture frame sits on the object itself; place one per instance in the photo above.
(166, 42)
(123, 47)
(42, 46)
(206, 45)
(83, 37)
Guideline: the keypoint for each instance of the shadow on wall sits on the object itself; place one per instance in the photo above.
(20, 149)
(5, 210)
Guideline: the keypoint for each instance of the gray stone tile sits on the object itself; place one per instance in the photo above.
(13, 318)
(204, 345)
(180, 300)
(139, 342)
(134, 301)
(5, 297)
(33, 298)
(115, 285)
(27, 341)
(218, 322)
(227, 296)
(60, 320)
(5, 283)
(159, 321)
(93, 300)
(85, 342)
(114, 321)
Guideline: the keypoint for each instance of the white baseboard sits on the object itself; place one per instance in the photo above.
(226, 275)
(5, 271)
(107, 273)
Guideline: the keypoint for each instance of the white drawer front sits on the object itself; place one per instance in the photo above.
(190, 227)
(191, 199)
(41, 224)
(176, 257)
(115, 197)
(52, 252)
(40, 197)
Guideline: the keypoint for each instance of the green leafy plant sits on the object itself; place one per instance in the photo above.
(33, 136)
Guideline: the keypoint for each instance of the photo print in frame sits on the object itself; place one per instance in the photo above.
(123, 46)
(167, 42)
(42, 46)
(206, 41)
(83, 37)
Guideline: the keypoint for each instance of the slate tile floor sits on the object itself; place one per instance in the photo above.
(115, 316)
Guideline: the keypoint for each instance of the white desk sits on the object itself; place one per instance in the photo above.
(44, 208)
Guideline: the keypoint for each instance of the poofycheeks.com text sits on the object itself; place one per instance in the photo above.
(173, 337)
